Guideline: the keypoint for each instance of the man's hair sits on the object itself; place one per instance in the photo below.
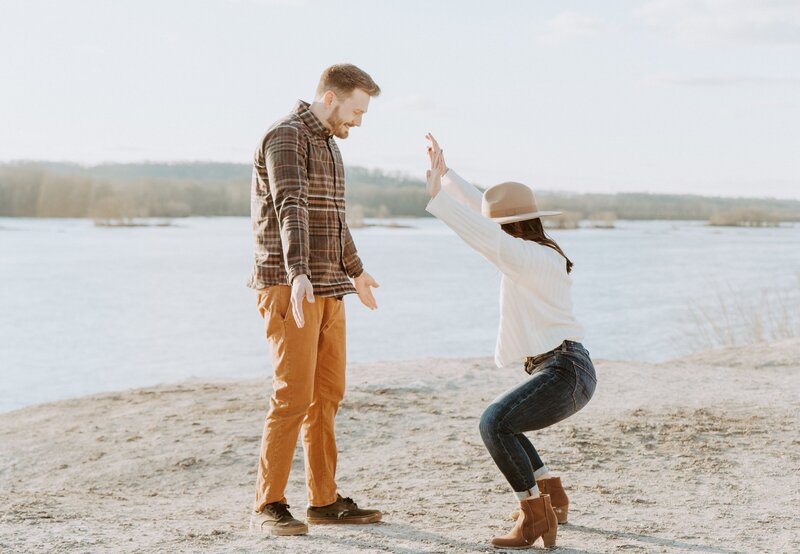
(344, 78)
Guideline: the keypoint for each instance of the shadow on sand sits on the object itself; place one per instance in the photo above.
(648, 539)
(406, 539)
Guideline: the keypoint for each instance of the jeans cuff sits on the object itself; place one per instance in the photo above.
(541, 471)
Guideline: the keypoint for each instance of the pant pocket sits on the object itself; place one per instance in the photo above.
(583, 365)
(587, 388)
(280, 301)
(276, 308)
(584, 379)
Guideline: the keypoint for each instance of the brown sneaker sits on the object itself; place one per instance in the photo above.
(275, 519)
(344, 510)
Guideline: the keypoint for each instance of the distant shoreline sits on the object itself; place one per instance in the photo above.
(388, 222)
(113, 191)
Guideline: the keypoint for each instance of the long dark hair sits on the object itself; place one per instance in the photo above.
(532, 229)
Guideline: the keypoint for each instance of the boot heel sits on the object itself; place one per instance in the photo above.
(549, 538)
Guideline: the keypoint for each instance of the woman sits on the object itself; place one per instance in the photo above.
(537, 327)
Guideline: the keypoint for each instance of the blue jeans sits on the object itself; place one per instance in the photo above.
(562, 381)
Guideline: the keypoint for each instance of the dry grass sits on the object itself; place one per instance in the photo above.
(567, 220)
(745, 217)
(770, 314)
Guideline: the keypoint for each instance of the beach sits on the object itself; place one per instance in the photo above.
(696, 454)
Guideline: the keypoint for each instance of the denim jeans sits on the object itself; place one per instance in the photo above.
(562, 381)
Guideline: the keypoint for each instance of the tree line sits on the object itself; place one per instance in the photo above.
(116, 191)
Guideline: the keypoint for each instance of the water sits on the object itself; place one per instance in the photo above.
(86, 309)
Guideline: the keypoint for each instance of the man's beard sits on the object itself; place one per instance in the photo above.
(338, 127)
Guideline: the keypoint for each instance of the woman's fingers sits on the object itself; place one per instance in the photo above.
(434, 143)
(435, 154)
(430, 149)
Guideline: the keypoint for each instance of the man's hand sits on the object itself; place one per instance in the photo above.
(364, 285)
(302, 289)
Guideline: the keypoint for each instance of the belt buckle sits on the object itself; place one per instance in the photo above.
(531, 361)
(528, 366)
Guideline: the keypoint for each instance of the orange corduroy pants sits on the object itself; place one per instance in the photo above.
(308, 385)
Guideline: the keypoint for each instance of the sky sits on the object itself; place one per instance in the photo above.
(663, 96)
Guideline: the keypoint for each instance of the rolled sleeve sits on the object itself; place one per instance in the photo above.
(352, 262)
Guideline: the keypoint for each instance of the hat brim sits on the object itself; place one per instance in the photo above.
(522, 217)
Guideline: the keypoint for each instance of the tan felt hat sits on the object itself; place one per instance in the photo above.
(510, 202)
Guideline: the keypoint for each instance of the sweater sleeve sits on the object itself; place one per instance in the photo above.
(454, 185)
(510, 255)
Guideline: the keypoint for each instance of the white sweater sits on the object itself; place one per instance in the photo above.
(535, 290)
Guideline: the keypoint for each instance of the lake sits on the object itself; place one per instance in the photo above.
(88, 309)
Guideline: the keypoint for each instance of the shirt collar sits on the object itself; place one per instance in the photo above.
(302, 109)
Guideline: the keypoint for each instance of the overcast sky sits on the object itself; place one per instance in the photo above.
(676, 96)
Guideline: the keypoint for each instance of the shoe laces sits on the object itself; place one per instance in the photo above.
(349, 501)
(279, 509)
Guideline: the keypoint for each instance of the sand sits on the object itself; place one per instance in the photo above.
(700, 454)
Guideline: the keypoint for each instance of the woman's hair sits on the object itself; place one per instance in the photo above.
(532, 229)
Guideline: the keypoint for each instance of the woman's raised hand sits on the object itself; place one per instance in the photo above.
(433, 150)
(438, 167)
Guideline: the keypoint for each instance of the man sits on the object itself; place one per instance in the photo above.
(304, 262)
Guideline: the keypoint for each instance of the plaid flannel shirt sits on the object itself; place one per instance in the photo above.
(297, 208)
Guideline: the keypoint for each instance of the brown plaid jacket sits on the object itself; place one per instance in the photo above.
(297, 208)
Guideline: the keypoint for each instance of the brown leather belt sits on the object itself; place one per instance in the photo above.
(532, 361)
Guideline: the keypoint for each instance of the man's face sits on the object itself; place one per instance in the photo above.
(347, 113)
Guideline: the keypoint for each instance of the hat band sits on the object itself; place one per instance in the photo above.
(506, 212)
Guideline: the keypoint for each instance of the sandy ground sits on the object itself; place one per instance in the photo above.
(700, 454)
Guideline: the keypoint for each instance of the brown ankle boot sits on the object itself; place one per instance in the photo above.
(558, 497)
(537, 519)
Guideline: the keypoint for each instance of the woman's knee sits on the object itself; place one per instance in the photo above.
(491, 422)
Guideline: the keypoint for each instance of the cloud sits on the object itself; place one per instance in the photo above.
(718, 80)
(570, 27)
(762, 22)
